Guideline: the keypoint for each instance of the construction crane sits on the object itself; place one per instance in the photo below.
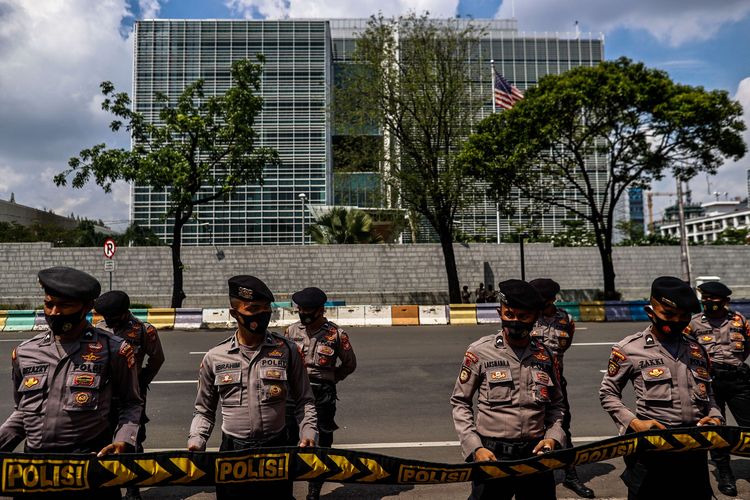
(650, 204)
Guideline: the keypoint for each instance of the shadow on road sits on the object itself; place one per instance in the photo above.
(366, 492)
(587, 472)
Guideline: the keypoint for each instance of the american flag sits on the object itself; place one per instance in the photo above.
(505, 94)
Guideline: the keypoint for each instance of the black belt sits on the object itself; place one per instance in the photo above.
(510, 448)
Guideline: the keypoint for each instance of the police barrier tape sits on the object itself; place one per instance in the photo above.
(36, 473)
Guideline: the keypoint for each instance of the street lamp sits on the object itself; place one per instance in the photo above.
(219, 253)
(521, 236)
(302, 197)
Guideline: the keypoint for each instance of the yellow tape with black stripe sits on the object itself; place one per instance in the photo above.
(31, 473)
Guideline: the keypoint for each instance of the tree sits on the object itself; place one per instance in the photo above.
(138, 236)
(635, 121)
(412, 79)
(733, 236)
(575, 234)
(342, 226)
(200, 150)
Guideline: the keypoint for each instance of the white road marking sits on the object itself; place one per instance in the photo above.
(197, 352)
(602, 371)
(174, 381)
(591, 343)
(12, 340)
(424, 444)
(581, 327)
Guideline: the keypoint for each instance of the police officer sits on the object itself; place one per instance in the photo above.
(520, 404)
(329, 358)
(725, 335)
(670, 376)
(555, 328)
(65, 377)
(465, 295)
(490, 295)
(480, 294)
(251, 373)
(114, 306)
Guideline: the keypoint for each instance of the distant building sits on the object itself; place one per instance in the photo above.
(635, 205)
(704, 225)
(10, 211)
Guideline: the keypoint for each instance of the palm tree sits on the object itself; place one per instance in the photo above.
(342, 226)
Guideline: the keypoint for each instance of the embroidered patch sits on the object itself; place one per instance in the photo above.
(541, 356)
(470, 358)
(84, 379)
(95, 346)
(276, 353)
(90, 357)
(227, 379)
(245, 293)
(81, 398)
(325, 350)
(707, 338)
(612, 368)
(464, 375)
(701, 389)
(542, 377)
(273, 374)
(544, 392)
(345, 342)
(13, 355)
(274, 390)
(701, 372)
(323, 361)
(151, 332)
(30, 382)
(656, 372)
(126, 351)
(498, 375)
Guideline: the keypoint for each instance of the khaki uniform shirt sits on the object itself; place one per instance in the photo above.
(518, 398)
(675, 391)
(727, 340)
(145, 341)
(253, 391)
(63, 392)
(323, 349)
(556, 332)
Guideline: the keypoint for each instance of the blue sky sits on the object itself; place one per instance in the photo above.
(55, 53)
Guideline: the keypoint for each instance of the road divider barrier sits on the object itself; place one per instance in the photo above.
(433, 315)
(354, 315)
(44, 473)
(487, 313)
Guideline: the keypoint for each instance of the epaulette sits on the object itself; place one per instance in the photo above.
(484, 340)
(629, 339)
(39, 336)
(228, 339)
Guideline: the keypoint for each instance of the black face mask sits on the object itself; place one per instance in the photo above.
(254, 323)
(308, 318)
(62, 324)
(711, 306)
(666, 327)
(115, 322)
(517, 330)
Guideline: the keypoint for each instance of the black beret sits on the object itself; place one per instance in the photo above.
(715, 288)
(249, 288)
(68, 282)
(546, 287)
(518, 293)
(112, 303)
(676, 293)
(310, 298)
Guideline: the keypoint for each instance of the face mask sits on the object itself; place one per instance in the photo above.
(114, 322)
(711, 306)
(667, 327)
(254, 323)
(517, 330)
(308, 318)
(61, 324)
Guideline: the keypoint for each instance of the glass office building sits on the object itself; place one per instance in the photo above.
(302, 61)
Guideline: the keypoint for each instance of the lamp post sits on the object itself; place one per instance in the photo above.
(521, 236)
(302, 197)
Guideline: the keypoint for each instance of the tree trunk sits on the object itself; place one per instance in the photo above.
(446, 242)
(608, 266)
(178, 294)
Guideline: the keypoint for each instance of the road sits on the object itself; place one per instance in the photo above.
(396, 403)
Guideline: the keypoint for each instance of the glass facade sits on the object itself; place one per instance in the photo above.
(169, 55)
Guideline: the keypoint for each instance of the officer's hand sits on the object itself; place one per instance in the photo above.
(484, 455)
(194, 447)
(306, 443)
(545, 446)
(645, 425)
(113, 449)
(709, 421)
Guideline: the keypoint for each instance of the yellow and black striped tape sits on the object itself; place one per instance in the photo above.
(32, 473)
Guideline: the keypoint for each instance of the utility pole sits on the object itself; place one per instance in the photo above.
(684, 247)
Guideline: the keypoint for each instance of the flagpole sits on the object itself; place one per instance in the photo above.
(497, 204)
(492, 82)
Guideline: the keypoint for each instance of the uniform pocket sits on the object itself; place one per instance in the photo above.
(658, 384)
(500, 386)
(31, 392)
(274, 387)
(541, 386)
(229, 385)
(83, 391)
(324, 355)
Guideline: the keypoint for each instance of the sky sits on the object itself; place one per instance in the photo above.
(55, 53)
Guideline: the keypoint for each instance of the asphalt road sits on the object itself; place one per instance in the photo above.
(396, 403)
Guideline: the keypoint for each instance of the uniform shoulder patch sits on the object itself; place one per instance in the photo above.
(465, 374)
(13, 355)
(150, 331)
(616, 358)
(126, 351)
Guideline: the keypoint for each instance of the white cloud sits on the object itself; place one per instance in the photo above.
(149, 9)
(281, 9)
(9, 179)
(671, 21)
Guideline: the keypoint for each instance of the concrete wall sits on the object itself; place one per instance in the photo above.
(362, 274)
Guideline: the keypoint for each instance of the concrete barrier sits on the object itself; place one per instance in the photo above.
(161, 317)
(742, 307)
(571, 308)
(463, 314)
(636, 310)
(216, 318)
(433, 315)
(141, 314)
(287, 316)
(378, 316)
(3, 317)
(404, 315)
(351, 315)
(188, 318)
(592, 311)
(40, 324)
(19, 321)
(616, 311)
(487, 313)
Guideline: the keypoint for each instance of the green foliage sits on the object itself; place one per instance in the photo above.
(200, 150)
(575, 234)
(635, 236)
(138, 236)
(342, 226)
(733, 236)
(84, 234)
(636, 121)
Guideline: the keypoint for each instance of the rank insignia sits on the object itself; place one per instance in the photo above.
(226, 379)
(656, 372)
(84, 379)
(245, 293)
(463, 377)
(542, 378)
(90, 357)
(276, 353)
(81, 398)
(95, 347)
(701, 372)
(498, 375)
(30, 382)
(541, 356)
(707, 338)
(273, 374)
(274, 390)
